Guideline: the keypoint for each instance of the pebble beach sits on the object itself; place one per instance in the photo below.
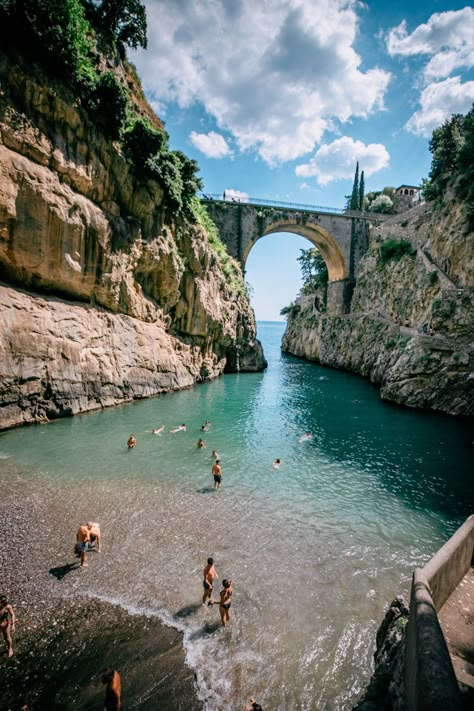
(63, 642)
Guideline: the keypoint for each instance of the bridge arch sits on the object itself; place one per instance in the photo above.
(336, 262)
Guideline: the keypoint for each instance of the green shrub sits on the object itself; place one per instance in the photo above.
(391, 343)
(109, 102)
(433, 277)
(228, 264)
(165, 168)
(291, 310)
(141, 141)
(393, 249)
(55, 32)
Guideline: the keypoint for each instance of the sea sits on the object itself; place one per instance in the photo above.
(317, 548)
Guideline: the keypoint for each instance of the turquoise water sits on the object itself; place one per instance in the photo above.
(318, 548)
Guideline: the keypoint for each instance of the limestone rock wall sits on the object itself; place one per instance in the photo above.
(139, 307)
(411, 326)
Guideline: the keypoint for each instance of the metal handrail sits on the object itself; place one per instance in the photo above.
(217, 197)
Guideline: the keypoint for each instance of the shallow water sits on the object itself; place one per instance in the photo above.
(317, 549)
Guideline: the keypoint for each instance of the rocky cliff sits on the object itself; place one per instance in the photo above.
(410, 327)
(104, 298)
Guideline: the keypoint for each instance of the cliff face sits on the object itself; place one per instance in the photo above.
(114, 303)
(411, 323)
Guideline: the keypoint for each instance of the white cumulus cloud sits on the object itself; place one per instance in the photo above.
(447, 38)
(446, 44)
(235, 195)
(275, 74)
(212, 144)
(338, 159)
(438, 101)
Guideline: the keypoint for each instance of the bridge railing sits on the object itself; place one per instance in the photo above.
(261, 202)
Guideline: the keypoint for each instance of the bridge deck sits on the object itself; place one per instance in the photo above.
(292, 206)
(457, 622)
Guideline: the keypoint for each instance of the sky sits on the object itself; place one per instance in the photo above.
(278, 99)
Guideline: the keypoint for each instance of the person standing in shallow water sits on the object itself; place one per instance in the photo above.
(224, 603)
(113, 690)
(131, 442)
(210, 574)
(217, 473)
(7, 622)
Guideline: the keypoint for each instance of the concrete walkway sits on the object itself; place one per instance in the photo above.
(457, 622)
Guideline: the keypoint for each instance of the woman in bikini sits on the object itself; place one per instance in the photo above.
(224, 603)
(7, 622)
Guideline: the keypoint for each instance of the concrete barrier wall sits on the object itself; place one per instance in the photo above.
(449, 565)
(430, 681)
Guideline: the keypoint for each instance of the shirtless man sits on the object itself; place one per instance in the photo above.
(158, 430)
(94, 531)
(181, 428)
(214, 454)
(131, 442)
(210, 574)
(201, 444)
(84, 538)
(113, 690)
(217, 472)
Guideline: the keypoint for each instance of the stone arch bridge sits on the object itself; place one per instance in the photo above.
(341, 236)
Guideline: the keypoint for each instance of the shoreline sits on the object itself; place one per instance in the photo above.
(62, 641)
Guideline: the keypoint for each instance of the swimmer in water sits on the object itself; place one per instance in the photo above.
(204, 428)
(181, 428)
(131, 442)
(276, 464)
(224, 602)
(158, 431)
(306, 437)
(201, 444)
(214, 454)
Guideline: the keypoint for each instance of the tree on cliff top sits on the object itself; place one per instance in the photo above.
(124, 21)
(354, 204)
(361, 191)
(452, 165)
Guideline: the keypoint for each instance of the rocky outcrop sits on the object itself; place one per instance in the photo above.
(141, 304)
(386, 688)
(410, 327)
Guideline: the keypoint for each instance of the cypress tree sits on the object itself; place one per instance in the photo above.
(355, 190)
(361, 191)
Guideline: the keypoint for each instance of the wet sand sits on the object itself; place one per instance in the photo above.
(62, 644)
